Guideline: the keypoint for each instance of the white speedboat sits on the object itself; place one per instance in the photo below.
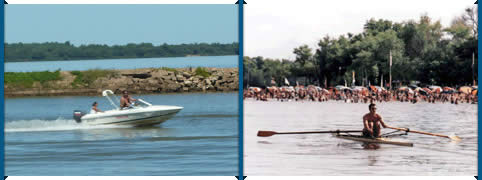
(141, 113)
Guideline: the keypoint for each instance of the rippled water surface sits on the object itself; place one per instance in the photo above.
(323, 154)
(41, 138)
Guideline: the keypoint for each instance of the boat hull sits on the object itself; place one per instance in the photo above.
(133, 117)
(372, 140)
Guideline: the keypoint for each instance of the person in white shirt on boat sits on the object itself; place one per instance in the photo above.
(94, 108)
(372, 123)
(126, 100)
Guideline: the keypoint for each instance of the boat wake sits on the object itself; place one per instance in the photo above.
(59, 124)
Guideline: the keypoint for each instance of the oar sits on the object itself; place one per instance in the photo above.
(455, 138)
(270, 133)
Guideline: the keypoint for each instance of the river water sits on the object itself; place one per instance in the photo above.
(80, 65)
(323, 154)
(42, 139)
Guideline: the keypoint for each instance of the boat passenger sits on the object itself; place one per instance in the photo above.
(126, 100)
(94, 108)
(372, 123)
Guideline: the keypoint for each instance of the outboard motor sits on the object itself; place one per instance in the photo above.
(77, 115)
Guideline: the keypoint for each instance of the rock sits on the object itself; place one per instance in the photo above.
(160, 81)
(130, 82)
(169, 82)
(181, 79)
(151, 88)
(233, 86)
(157, 80)
(152, 82)
(163, 73)
(173, 87)
(186, 74)
(228, 79)
(211, 88)
(195, 80)
(159, 74)
(207, 82)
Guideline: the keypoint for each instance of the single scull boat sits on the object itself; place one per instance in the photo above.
(372, 140)
(344, 134)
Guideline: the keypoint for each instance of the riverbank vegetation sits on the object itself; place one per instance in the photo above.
(136, 81)
(15, 52)
(422, 51)
(27, 79)
(86, 78)
(168, 69)
(202, 72)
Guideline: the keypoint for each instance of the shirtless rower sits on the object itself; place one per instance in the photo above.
(372, 122)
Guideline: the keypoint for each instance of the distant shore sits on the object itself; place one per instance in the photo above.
(32, 52)
(136, 81)
(113, 58)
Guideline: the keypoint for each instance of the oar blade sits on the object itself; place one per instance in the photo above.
(455, 138)
(266, 133)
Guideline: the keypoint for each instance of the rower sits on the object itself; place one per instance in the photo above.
(372, 122)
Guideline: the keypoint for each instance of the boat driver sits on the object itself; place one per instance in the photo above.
(126, 100)
(372, 122)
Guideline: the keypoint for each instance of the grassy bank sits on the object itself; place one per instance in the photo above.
(137, 81)
(27, 79)
(86, 78)
(202, 72)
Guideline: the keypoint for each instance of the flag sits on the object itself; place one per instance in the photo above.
(473, 60)
(353, 78)
(390, 58)
(287, 82)
(381, 81)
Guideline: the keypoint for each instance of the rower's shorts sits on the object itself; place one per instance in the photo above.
(365, 133)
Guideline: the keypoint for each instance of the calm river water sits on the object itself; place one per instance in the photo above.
(323, 154)
(80, 65)
(41, 138)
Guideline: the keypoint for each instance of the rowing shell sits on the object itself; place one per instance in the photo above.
(372, 140)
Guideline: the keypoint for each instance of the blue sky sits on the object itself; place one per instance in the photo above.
(121, 24)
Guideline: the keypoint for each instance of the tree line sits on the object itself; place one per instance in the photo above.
(422, 52)
(66, 51)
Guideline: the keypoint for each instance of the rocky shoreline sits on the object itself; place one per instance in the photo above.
(136, 81)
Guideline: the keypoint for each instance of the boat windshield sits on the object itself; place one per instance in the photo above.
(141, 103)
